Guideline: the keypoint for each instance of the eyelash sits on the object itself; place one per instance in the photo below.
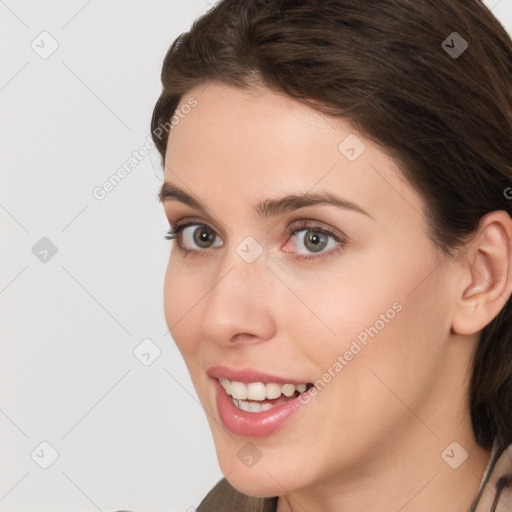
(178, 227)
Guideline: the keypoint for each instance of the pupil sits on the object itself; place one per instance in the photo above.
(201, 236)
(317, 239)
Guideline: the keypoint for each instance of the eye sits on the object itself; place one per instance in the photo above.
(190, 235)
(315, 240)
(197, 238)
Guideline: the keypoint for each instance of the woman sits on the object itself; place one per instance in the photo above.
(338, 181)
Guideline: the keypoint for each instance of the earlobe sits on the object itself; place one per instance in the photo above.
(487, 274)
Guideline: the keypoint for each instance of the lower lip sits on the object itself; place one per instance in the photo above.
(253, 424)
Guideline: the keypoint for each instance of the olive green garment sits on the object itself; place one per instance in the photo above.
(225, 498)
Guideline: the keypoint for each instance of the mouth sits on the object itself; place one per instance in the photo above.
(252, 403)
(259, 409)
(258, 397)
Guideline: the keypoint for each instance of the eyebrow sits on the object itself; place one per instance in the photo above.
(268, 207)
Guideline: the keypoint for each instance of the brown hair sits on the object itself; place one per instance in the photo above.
(394, 69)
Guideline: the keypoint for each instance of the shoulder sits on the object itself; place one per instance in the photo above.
(225, 498)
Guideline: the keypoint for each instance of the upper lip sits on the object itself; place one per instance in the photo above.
(247, 375)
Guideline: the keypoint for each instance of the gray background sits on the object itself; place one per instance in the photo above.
(129, 431)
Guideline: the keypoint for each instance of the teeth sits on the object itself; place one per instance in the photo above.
(258, 407)
(253, 406)
(288, 389)
(238, 390)
(256, 391)
(259, 391)
(226, 385)
(273, 391)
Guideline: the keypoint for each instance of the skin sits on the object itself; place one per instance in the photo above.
(372, 438)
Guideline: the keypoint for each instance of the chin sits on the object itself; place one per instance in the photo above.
(261, 480)
(259, 486)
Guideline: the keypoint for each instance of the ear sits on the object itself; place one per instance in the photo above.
(486, 283)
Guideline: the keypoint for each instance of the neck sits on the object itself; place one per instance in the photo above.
(417, 468)
(414, 480)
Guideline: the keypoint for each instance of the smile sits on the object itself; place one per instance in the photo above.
(257, 397)
(259, 416)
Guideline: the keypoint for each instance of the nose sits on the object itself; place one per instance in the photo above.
(238, 308)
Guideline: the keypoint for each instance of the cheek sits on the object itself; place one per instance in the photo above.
(334, 306)
(384, 310)
(182, 295)
(393, 341)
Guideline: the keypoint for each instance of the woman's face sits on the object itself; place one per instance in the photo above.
(364, 312)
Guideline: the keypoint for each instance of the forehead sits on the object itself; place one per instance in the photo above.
(246, 118)
(239, 144)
